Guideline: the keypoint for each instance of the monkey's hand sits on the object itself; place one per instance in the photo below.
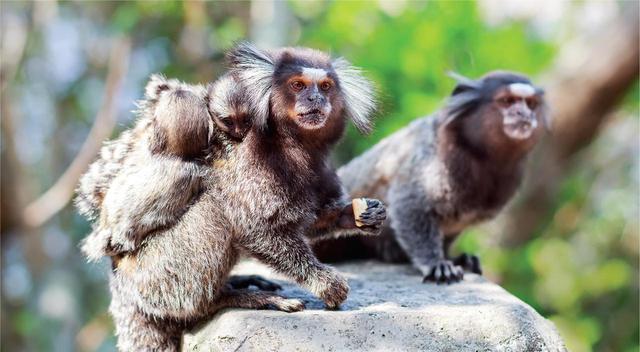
(104, 242)
(122, 240)
(94, 246)
(442, 271)
(370, 218)
(330, 286)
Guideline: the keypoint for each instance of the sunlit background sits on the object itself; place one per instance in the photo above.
(568, 246)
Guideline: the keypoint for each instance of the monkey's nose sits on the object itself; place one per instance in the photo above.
(314, 97)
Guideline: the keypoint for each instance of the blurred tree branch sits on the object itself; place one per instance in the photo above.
(54, 199)
(14, 39)
(590, 78)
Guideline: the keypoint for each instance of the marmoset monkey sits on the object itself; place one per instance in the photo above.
(446, 172)
(261, 197)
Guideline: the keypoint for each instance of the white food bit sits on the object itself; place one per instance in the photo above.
(359, 206)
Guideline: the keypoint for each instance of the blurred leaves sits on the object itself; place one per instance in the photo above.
(408, 54)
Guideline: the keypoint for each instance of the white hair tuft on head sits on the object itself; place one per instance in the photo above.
(254, 69)
(522, 90)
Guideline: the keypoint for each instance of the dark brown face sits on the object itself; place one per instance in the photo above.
(500, 114)
(309, 94)
(519, 104)
(236, 125)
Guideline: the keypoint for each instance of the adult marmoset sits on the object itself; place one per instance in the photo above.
(261, 198)
(446, 172)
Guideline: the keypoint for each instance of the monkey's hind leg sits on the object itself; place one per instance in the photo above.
(232, 298)
(137, 331)
(244, 281)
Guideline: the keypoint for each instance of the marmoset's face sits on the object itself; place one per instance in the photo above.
(310, 94)
(236, 124)
(518, 104)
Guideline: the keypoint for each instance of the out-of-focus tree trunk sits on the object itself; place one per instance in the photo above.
(587, 82)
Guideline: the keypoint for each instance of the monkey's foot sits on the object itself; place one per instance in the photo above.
(443, 271)
(244, 281)
(243, 298)
(288, 305)
(468, 262)
(373, 216)
(330, 286)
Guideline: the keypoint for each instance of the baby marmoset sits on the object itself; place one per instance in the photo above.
(146, 179)
(446, 172)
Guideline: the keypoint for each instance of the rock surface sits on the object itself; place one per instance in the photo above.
(388, 309)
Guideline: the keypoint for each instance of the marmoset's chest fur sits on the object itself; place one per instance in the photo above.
(271, 188)
(463, 192)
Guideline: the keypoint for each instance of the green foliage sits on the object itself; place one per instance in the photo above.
(409, 54)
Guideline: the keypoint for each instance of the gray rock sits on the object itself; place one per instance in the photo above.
(388, 309)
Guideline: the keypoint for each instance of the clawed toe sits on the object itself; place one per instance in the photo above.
(469, 262)
(444, 272)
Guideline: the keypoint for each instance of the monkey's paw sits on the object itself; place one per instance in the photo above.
(94, 246)
(331, 287)
(468, 262)
(443, 271)
(288, 305)
(244, 281)
(373, 216)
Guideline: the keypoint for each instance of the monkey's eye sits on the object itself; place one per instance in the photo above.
(227, 121)
(297, 86)
(507, 101)
(325, 86)
(532, 103)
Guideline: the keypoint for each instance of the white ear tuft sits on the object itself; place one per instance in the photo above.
(254, 69)
(463, 83)
(358, 92)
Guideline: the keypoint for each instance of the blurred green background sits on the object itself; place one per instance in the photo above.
(578, 267)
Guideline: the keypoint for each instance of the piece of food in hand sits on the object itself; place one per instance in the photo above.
(359, 207)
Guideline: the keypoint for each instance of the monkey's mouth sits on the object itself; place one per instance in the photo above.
(313, 118)
(520, 129)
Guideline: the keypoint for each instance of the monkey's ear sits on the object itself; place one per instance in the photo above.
(157, 83)
(253, 69)
(464, 84)
(359, 94)
(545, 110)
